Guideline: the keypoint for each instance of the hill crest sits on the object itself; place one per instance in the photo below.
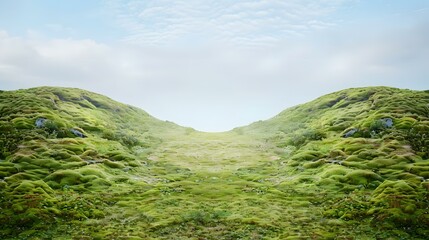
(349, 164)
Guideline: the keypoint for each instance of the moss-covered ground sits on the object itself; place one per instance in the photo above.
(349, 165)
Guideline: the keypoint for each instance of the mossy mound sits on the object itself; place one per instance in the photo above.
(349, 165)
(400, 203)
(52, 140)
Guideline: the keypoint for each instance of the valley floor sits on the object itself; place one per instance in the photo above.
(216, 186)
(349, 165)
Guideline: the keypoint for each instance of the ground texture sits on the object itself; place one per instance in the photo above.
(349, 165)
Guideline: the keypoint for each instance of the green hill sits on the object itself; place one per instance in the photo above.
(349, 165)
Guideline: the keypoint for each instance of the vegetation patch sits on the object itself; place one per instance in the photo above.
(349, 165)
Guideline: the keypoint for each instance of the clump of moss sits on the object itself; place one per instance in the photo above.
(112, 164)
(382, 162)
(369, 154)
(275, 179)
(306, 155)
(300, 138)
(418, 137)
(362, 177)
(92, 171)
(422, 171)
(18, 177)
(314, 164)
(120, 156)
(352, 145)
(334, 171)
(354, 158)
(400, 203)
(7, 169)
(352, 206)
(38, 186)
(335, 153)
(62, 178)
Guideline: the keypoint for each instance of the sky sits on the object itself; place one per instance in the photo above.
(214, 65)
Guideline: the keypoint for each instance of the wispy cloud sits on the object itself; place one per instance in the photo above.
(214, 65)
(246, 22)
(220, 87)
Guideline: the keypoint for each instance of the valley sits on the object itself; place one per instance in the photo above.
(349, 165)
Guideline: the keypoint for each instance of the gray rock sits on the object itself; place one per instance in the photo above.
(91, 161)
(387, 122)
(336, 162)
(77, 133)
(350, 132)
(40, 122)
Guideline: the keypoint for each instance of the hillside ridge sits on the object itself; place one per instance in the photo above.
(350, 164)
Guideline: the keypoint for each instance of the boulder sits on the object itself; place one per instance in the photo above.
(77, 133)
(387, 122)
(350, 132)
(40, 122)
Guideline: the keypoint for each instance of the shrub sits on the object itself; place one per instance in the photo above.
(11, 138)
(418, 139)
(314, 134)
(300, 138)
(51, 126)
(125, 139)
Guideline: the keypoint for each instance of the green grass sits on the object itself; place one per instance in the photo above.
(291, 177)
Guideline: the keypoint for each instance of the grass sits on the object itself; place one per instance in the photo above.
(291, 177)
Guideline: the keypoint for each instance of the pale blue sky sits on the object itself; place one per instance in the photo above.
(214, 65)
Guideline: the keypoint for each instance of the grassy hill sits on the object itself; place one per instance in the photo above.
(349, 165)
(367, 147)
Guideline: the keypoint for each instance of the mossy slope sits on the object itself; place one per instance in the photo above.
(349, 165)
(366, 146)
(57, 142)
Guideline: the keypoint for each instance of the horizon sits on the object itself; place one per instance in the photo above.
(214, 65)
(256, 120)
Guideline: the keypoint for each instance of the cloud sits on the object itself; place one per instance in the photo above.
(246, 22)
(219, 86)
